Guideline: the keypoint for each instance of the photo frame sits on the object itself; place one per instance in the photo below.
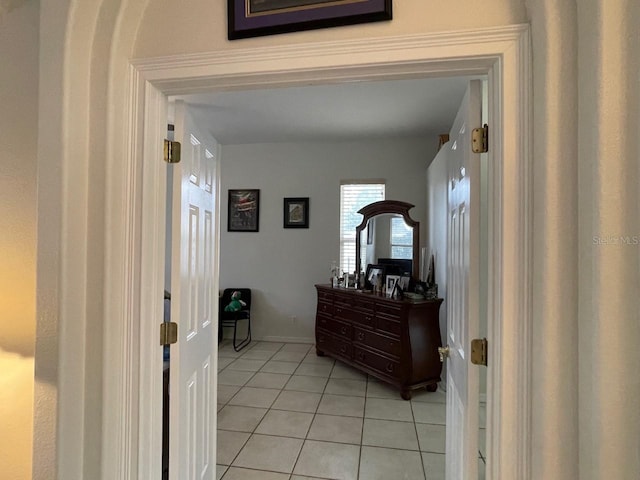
(404, 282)
(255, 18)
(296, 212)
(373, 272)
(391, 281)
(243, 210)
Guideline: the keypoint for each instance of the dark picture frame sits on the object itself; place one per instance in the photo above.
(243, 210)
(255, 18)
(296, 212)
(372, 270)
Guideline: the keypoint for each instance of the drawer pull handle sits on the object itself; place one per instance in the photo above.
(360, 336)
(343, 349)
(338, 310)
(360, 356)
(343, 330)
(389, 367)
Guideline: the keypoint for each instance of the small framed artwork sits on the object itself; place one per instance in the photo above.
(254, 18)
(391, 282)
(244, 211)
(296, 212)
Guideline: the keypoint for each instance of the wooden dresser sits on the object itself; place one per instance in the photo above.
(396, 341)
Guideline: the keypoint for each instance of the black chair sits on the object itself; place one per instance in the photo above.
(231, 319)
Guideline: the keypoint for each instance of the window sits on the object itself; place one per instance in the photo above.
(401, 239)
(354, 196)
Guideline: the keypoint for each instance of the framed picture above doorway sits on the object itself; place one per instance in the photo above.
(254, 18)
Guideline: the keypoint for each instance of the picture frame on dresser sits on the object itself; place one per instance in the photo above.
(391, 281)
(404, 282)
(374, 271)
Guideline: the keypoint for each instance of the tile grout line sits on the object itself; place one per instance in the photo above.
(315, 413)
(364, 417)
(415, 428)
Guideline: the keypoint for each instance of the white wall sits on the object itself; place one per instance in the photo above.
(18, 138)
(282, 265)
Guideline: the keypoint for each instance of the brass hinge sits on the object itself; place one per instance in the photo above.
(171, 151)
(168, 333)
(479, 348)
(480, 139)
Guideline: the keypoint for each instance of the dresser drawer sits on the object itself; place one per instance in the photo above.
(363, 305)
(327, 342)
(386, 366)
(364, 319)
(342, 312)
(325, 308)
(379, 342)
(388, 310)
(334, 326)
(344, 301)
(388, 326)
(325, 296)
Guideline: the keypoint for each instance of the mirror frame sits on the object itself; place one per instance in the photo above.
(390, 206)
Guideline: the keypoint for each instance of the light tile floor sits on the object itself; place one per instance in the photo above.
(286, 414)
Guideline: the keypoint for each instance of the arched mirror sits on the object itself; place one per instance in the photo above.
(388, 235)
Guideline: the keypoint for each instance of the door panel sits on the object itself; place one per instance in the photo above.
(194, 283)
(463, 289)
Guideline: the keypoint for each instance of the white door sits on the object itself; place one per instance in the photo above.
(194, 274)
(463, 240)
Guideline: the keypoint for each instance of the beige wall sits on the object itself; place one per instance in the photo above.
(18, 138)
(201, 25)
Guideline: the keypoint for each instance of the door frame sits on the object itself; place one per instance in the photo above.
(132, 406)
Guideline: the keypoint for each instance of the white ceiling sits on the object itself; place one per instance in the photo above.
(347, 111)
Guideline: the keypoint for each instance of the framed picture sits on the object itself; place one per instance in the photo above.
(374, 276)
(404, 282)
(254, 18)
(244, 211)
(296, 212)
(391, 282)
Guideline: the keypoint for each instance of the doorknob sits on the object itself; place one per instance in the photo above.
(444, 353)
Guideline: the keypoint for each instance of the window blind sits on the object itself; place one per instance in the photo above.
(354, 196)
